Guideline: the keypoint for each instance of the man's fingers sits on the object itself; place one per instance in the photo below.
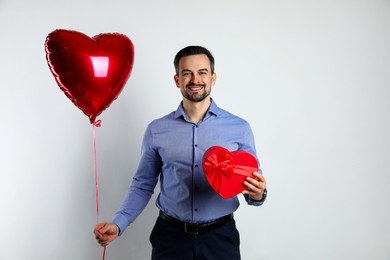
(262, 179)
(105, 233)
(102, 241)
(104, 229)
(251, 186)
(255, 186)
(98, 227)
(259, 176)
(258, 182)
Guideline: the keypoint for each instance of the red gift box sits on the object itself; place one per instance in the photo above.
(226, 171)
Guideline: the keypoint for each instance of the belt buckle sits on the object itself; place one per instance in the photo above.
(191, 229)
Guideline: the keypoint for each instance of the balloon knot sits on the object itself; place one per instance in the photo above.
(97, 123)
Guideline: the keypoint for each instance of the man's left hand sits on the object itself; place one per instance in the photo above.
(255, 186)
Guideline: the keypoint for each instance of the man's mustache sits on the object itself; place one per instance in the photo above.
(195, 85)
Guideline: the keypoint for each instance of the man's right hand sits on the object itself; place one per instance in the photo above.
(105, 233)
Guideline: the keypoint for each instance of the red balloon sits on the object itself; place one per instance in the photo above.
(226, 171)
(90, 71)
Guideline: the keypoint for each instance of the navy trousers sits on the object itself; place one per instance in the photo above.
(171, 243)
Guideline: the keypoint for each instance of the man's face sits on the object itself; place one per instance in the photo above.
(195, 78)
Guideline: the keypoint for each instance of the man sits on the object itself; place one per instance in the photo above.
(194, 221)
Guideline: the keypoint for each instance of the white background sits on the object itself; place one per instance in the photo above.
(312, 78)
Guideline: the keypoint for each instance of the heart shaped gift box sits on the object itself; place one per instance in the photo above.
(226, 171)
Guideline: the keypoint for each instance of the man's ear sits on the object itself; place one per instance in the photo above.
(176, 79)
(213, 79)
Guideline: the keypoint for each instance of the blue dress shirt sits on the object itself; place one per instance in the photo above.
(172, 152)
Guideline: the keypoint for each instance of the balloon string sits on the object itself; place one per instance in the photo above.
(94, 125)
(104, 252)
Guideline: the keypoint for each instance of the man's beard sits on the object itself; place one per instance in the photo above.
(196, 97)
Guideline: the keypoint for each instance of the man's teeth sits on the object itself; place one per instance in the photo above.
(195, 88)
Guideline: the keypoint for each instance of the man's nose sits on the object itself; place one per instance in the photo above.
(195, 78)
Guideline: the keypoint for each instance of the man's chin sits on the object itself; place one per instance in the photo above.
(197, 98)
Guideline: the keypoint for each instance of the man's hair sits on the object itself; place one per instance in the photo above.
(193, 50)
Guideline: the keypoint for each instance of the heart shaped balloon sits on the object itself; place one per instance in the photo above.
(90, 71)
(226, 171)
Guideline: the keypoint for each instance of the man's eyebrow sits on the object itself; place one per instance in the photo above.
(188, 70)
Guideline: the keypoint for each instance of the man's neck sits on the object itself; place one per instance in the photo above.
(195, 111)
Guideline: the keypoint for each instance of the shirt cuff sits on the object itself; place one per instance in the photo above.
(253, 202)
(121, 222)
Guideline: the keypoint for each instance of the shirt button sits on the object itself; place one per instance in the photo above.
(196, 165)
(196, 145)
(196, 187)
(196, 209)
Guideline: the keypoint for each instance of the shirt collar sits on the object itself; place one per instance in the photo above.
(213, 110)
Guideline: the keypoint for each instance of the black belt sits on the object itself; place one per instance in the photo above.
(195, 229)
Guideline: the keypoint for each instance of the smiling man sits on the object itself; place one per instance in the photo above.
(194, 77)
(194, 221)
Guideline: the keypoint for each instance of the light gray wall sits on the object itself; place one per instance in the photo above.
(312, 78)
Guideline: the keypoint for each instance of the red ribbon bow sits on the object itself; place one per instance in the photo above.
(213, 161)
